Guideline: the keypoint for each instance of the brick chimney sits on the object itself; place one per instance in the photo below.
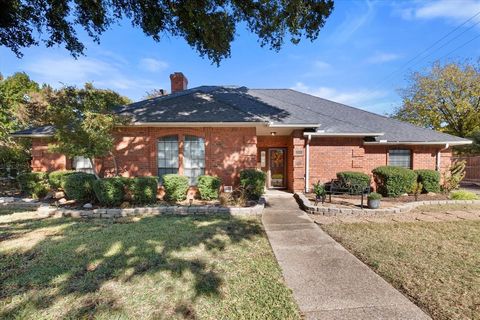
(178, 81)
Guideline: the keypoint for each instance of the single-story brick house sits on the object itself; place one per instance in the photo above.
(296, 138)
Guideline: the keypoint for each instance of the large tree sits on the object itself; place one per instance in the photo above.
(209, 26)
(445, 98)
(18, 110)
(84, 121)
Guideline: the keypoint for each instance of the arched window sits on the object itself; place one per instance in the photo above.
(167, 155)
(193, 158)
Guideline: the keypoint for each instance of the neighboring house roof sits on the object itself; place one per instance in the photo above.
(281, 107)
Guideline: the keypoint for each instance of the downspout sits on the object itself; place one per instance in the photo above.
(307, 164)
(439, 156)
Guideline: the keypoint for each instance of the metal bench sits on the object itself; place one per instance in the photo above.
(338, 187)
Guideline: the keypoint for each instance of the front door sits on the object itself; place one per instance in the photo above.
(276, 159)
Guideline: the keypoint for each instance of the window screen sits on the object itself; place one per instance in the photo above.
(167, 155)
(193, 158)
(400, 158)
(82, 164)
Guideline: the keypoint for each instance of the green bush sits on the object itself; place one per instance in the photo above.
(463, 195)
(208, 187)
(254, 182)
(394, 181)
(57, 178)
(430, 179)
(143, 189)
(34, 184)
(109, 191)
(319, 189)
(79, 186)
(176, 187)
(374, 196)
(354, 178)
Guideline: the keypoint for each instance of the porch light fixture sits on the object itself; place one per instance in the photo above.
(273, 133)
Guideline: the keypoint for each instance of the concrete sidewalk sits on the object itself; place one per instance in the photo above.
(327, 281)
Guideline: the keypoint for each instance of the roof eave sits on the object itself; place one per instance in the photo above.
(343, 134)
(413, 143)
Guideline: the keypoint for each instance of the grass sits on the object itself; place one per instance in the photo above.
(168, 267)
(436, 264)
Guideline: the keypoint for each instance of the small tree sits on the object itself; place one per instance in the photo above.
(453, 177)
(84, 122)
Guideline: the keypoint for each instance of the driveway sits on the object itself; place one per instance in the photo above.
(327, 281)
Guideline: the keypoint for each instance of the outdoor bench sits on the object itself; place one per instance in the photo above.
(338, 187)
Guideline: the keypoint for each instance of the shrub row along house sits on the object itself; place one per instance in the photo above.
(295, 138)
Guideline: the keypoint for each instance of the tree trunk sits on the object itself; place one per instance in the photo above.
(94, 168)
(115, 165)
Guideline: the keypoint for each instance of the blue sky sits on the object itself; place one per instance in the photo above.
(359, 59)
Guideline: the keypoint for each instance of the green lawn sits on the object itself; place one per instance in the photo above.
(436, 264)
(166, 267)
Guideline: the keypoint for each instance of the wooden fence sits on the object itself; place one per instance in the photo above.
(472, 168)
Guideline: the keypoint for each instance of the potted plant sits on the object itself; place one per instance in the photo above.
(374, 200)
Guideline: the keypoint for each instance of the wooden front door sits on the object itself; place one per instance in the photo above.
(277, 168)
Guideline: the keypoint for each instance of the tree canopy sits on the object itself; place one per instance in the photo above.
(445, 98)
(209, 26)
(83, 120)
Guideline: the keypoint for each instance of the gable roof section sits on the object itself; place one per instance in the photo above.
(278, 107)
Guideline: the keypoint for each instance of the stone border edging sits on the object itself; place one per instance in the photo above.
(45, 210)
(307, 206)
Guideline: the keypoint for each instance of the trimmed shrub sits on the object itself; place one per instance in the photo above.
(430, 179)
(254, 182)
(354, 178)
(208, 187)
(143, 189)
(79, 186)
(463, 195)
(109, 191)
(176, 187)
(374, 196)
(57, 178)
(34, 184)
(394, 181)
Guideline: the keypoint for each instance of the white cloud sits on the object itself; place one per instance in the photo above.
(358, 97)
(152, 65)
(102, 72)
(354, 20)
(321, 65)
(382, 57)
(457, 11)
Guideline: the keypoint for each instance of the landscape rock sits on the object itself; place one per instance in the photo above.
(59, 195)
(62, 201)
(87, 206)
(6, 199)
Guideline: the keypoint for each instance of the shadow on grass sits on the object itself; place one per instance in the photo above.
(86, 254)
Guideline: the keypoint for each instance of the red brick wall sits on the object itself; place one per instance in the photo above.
(227, 151)
(331, 155)
(43, 160)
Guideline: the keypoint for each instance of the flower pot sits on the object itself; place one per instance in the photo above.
(373, 204)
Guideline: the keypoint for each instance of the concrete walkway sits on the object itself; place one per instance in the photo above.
(327, 281)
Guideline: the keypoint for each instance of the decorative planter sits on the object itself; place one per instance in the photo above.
(373, 204)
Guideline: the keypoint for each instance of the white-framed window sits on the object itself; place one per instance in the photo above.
(193, 158)
(167, 155)
(400, 158)
(82, 164)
